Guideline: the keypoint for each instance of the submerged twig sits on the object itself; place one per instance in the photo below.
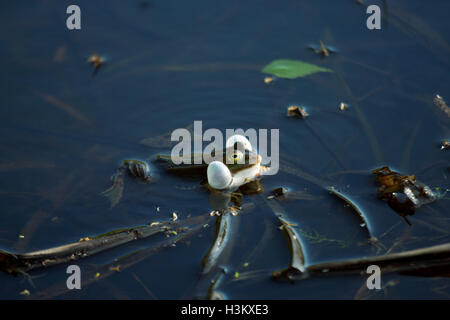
(296, 111)
(297, 263)
(213, 293)
(149, 292)
(418, 30)
(223, 234)
(354, 206)
(217, 256)
(127, 260)
(410, 144)
(64, 107)
(283, 194)
(414, 262)
(440, 103)
(19, 263)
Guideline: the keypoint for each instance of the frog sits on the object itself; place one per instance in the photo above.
(235, 172)
(322, 49)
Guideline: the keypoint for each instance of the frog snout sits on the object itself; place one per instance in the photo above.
(255, 159)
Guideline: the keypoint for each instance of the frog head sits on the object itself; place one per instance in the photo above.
(228, 169)
(236, 165)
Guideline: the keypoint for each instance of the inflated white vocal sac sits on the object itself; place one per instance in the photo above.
(219, 176)
(239, 138)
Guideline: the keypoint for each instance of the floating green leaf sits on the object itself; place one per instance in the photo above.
(291, 69)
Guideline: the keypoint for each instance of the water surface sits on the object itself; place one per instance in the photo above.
(64, 132)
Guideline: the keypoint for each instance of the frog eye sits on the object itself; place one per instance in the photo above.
(235, 156)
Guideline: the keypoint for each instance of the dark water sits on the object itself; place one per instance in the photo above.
(64, 132)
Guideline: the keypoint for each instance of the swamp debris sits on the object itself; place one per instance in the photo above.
(215, 261)
(322, 49)
(278, 193)
(403, 193)
(445, 145)
(296, 111)
(115, 268)
(364, 221)
(221, 241)
(268, 80)
(440, 103)
(283, 194)
(431, 261)
(213, 293)
(297, 263)
(127, 260)
(96, 61)
(343, 106)
(312, 236)
(15, 263)
(24, 292)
